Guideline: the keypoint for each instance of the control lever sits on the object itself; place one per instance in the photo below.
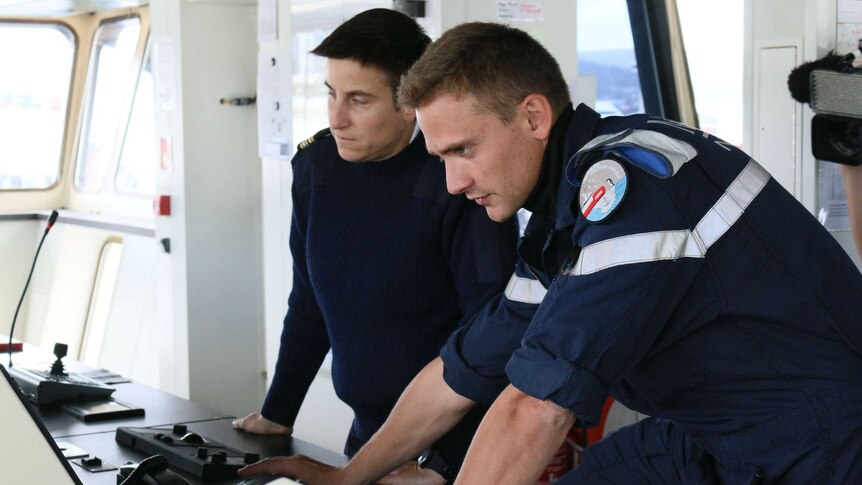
(60, 351)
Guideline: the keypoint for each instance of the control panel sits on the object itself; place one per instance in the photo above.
(188, 451)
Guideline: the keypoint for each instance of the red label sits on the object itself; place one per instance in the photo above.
(594, 199)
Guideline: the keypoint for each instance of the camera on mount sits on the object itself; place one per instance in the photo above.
(836, 130)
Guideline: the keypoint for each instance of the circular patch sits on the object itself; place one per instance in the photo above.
(602, 190)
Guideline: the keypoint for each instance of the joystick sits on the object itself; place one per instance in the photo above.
(60, 351)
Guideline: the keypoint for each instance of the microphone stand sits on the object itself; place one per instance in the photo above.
(51, 220)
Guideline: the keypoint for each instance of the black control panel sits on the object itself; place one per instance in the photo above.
(44, 387)
(188, 451)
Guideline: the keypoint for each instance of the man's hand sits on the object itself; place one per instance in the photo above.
(410, 474)
(428, 408)
(303, 468)
(257, 424)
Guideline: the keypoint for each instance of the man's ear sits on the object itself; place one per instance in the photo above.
(539, 114)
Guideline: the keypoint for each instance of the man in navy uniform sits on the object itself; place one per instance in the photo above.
(661, 266)
(386, 263)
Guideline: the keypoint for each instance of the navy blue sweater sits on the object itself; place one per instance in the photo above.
(386, 264)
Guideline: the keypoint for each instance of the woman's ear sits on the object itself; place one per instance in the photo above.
(409, 114)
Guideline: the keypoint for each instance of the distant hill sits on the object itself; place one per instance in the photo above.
(620, 58)
(616, 77)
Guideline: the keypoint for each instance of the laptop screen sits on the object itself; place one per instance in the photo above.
(28, 454)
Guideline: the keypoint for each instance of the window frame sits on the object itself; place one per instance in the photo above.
(85, 111)
(661, 60)
(72, 34)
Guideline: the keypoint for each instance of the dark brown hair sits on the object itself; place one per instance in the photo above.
(381, 38)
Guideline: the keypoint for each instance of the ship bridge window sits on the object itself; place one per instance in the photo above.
(606, 51)
(111, 80)
(713, 37)
(33, 103)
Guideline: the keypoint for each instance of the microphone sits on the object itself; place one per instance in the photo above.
(51, 220)
(799, 79)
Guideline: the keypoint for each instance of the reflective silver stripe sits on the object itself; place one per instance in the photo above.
(663, 245)
(731, 205)
(636, 248)
(525, 290)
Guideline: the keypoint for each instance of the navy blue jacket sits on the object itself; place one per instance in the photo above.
(706, 295)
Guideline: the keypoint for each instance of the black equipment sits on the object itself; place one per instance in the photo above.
(832, 86)
(190, 452)
(150, 471)
(45, 387)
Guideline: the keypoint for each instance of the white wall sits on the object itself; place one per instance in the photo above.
(775, 47)
(18, 241)
(277, 178)
(131, 340)
(555, 32)
(205, 51)
(59, 296)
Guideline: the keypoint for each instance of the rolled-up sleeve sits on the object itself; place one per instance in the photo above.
(475, 355)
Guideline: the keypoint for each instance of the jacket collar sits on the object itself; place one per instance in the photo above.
(582, 128)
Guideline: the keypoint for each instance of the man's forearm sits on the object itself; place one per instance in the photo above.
(427, 409)
(515, 441)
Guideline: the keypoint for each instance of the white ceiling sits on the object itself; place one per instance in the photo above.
(58, 8)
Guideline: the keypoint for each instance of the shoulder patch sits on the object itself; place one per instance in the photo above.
(308, 141)
(602, 190)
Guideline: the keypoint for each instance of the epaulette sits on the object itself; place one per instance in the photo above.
(308, 141)
(656, 153)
